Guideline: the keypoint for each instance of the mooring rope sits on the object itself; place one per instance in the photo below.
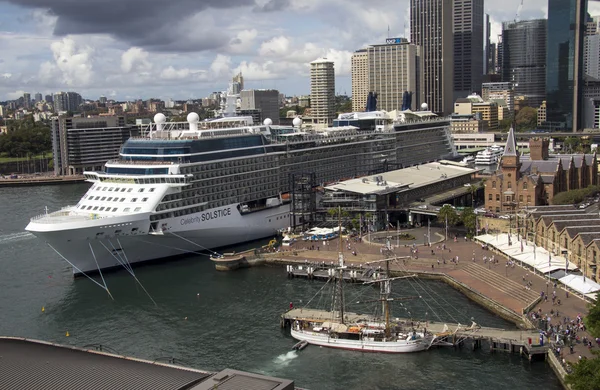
(80, 271)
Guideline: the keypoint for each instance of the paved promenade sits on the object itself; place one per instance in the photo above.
(502, 283)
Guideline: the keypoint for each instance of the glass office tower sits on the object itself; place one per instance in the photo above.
(564, 62)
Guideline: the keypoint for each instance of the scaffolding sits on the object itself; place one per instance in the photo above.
(303, 199)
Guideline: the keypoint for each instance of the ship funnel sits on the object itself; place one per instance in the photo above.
(193, 120)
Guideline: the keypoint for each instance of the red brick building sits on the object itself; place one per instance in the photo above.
(534, 179)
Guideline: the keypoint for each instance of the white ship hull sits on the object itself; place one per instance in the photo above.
(111, 242)
(365, 345)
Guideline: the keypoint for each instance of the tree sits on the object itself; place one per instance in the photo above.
(526, 119)
(585, 374)
(469, 219)
(448, 213)
(575, 196)
(592, 320)
(505, 123)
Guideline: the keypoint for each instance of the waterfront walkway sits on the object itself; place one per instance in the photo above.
(501, 283)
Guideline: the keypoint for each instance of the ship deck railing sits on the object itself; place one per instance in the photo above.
(139, 162)
(66, 214)
(281, 139)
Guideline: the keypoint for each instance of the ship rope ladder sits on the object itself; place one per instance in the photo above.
(102, 286)
(125, 263)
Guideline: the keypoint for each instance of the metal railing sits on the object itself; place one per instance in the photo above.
(65, 214)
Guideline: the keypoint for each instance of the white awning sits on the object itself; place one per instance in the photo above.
(525, 252)
(579, 284)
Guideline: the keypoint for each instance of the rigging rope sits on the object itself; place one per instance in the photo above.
(425, 289)
(80, 271)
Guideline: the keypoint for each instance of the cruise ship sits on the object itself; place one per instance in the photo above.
(489, 156)
(195, 186)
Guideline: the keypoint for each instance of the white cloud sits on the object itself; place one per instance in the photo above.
(243, 41)
(14, 94)
(135, 59)
(255, 71)
(72, 64)
(376, 19)
(341, 60)
(221, 66)
(170, 73)
(275, 47)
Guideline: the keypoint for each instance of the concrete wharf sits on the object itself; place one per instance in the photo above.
(524, 342)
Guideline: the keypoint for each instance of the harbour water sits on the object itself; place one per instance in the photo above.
(211, 320)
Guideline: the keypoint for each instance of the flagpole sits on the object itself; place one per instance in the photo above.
(446, 227)
(429, 232)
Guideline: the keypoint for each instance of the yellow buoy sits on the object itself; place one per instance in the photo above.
(67, 334)
(43, 309)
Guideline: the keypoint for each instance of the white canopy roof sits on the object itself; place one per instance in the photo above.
(577, 283)
(525, 252)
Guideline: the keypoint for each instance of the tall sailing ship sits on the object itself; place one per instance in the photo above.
(366, 333)
(198, 185)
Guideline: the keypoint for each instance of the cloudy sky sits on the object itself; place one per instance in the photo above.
(129, 49)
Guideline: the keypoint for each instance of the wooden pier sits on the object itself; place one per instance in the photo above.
(524, 342)
(323, 271)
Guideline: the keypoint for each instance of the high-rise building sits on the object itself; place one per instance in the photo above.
(487, 53)
(38, 97)
(265, 100)
(360, 79)
(48, 99)
(524, 58)
(468, 46)
(322, 91)
(102, 99)
(492, 59)
(26, 100)
(431, 28)
(66, 101)
(499, 55)
(394, 73)
(564, 73)
(592, 26)
(239, 79)
(591, 56)
(1, 111)
(499, 91)
(86, 144)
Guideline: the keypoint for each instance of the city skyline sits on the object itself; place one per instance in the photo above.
(129, 51)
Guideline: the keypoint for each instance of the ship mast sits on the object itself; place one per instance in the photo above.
(340, 287)
(386, 288)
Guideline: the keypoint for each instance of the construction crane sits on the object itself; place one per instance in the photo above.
(518, 11)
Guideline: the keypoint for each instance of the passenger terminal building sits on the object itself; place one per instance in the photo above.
(404, 195)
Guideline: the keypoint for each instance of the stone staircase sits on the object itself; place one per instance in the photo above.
(501, 283)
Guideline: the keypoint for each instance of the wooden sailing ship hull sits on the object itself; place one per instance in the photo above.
(365, 345)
